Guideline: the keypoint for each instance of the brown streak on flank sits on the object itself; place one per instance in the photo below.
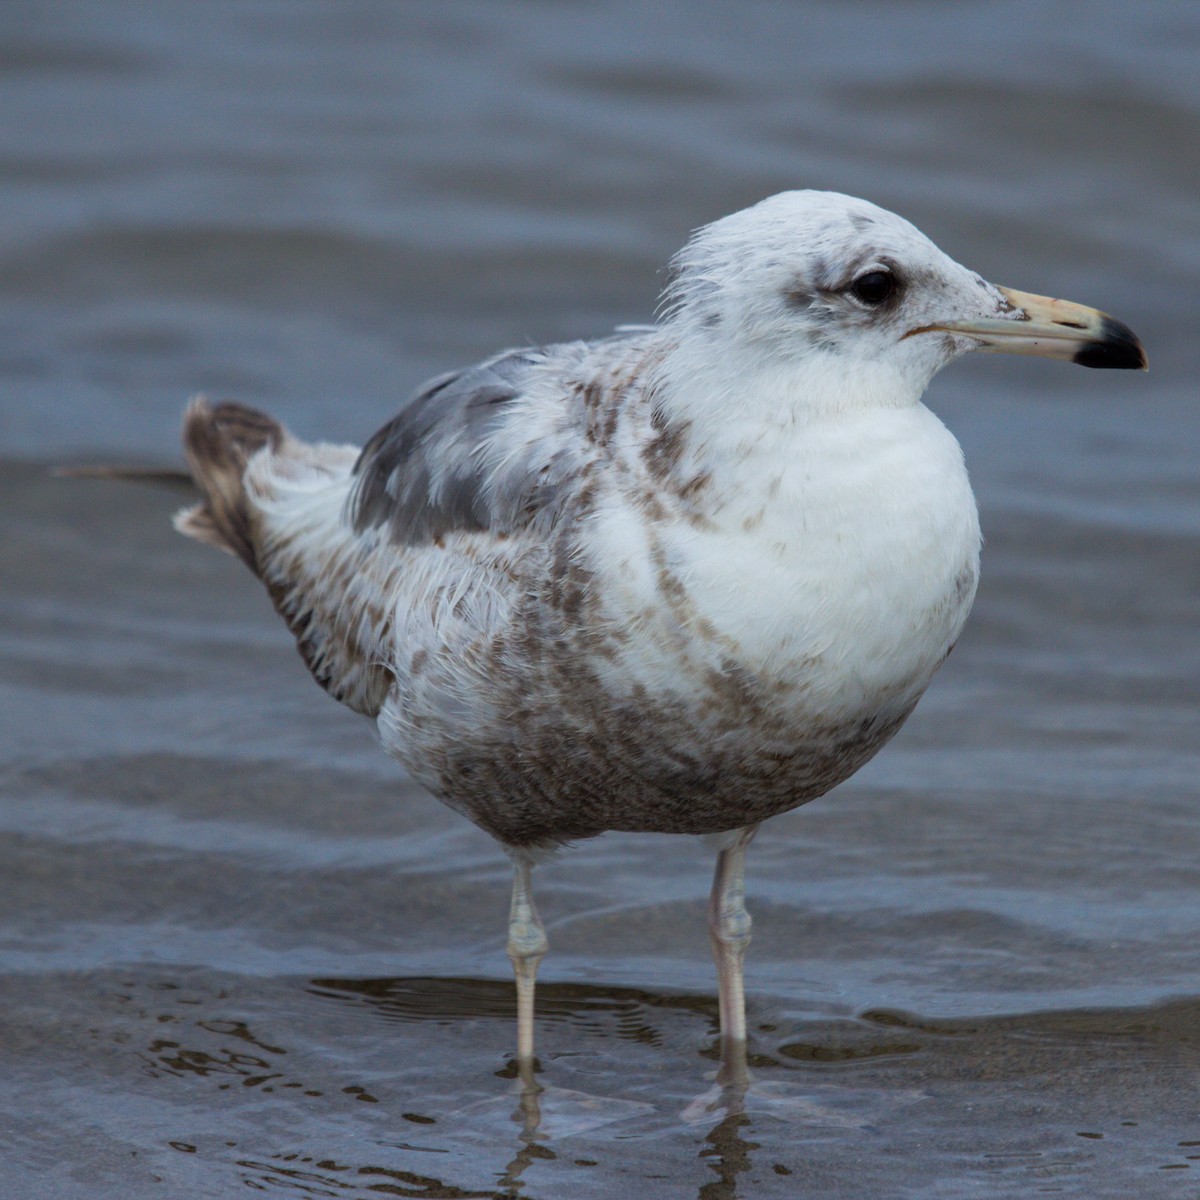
(592, 395)
(663, 452)
(612, 415)
(648, 501)
(663, 458)
(694, 486)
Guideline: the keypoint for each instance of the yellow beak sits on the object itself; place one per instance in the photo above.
(1053, 329)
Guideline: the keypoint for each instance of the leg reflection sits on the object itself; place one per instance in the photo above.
(531, 1139)
(727, 1153)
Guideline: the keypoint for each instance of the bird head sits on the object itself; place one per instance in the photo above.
(836, 294)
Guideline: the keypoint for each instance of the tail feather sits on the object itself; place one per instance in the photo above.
(219, 442)
(282, 514)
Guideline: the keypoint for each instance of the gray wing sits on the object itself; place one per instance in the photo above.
(420, 473)
(463, 453)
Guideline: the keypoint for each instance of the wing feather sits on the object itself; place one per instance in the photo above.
(498, 446)
(425, 473)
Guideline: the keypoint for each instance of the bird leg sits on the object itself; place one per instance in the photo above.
(526, 946)
(729, 927)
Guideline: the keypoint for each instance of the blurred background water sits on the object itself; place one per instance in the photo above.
(239, 950)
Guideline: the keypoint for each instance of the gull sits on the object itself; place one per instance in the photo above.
(681, 579)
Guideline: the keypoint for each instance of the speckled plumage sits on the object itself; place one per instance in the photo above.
(526, 576)
(542, 699)
(681, 579)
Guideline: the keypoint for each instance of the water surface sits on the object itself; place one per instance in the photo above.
(239, 950)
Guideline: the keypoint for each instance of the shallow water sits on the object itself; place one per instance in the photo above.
(239, 951)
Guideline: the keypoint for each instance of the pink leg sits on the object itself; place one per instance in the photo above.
(526, 946)
(729, 928)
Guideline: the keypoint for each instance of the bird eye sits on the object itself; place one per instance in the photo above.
(874, 287)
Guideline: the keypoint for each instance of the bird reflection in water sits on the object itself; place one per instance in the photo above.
(726, 1151)
(530, 1121)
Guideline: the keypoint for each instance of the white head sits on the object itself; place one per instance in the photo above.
(838, 302)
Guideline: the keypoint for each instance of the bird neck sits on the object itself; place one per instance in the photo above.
(732, 414)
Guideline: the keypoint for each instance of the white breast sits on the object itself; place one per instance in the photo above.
(848, 557)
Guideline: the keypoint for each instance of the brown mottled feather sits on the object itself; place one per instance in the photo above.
(219, 442)
(545, 669)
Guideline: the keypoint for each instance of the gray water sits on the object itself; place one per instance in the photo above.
(238, 950)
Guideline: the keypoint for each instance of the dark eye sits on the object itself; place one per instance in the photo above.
(874, 287)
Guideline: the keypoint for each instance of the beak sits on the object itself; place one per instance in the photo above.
(1052, 329)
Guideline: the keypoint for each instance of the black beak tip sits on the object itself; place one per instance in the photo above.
(1116, 347)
